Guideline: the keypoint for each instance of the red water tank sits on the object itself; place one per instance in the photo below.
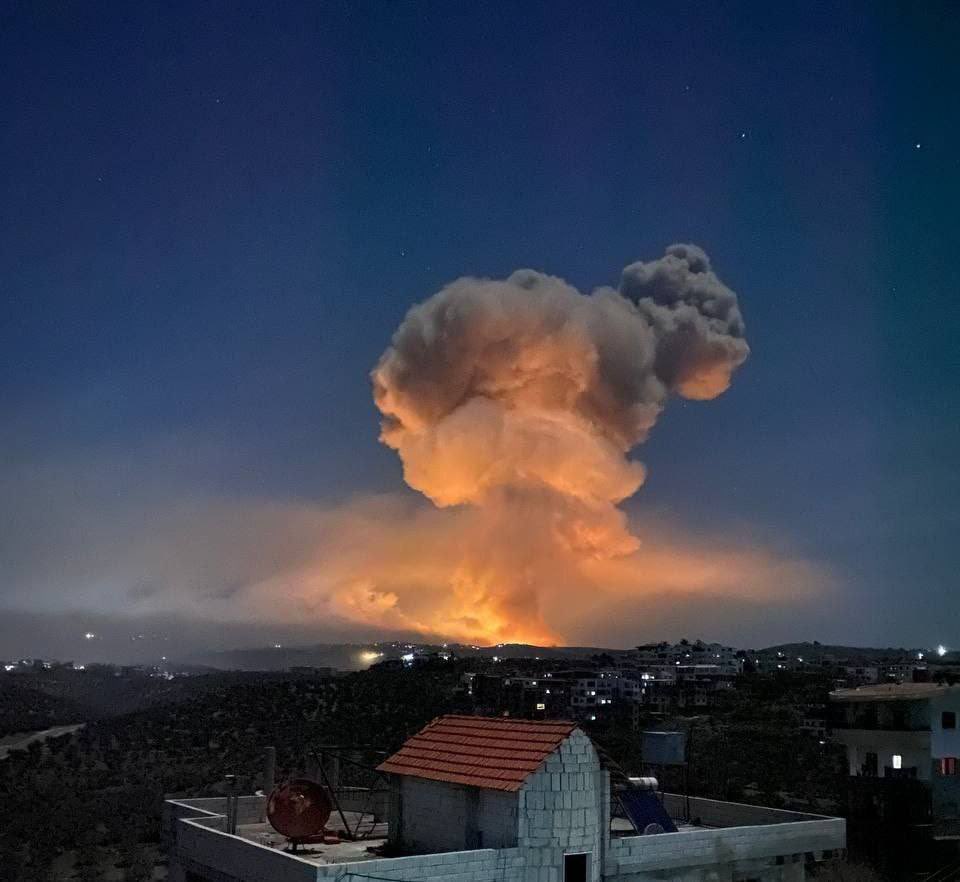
(299, 809)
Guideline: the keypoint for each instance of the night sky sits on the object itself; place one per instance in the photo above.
(214, 217)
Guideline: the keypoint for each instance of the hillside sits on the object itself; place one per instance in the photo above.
(99, 791)
(872, 654)
(24, 708)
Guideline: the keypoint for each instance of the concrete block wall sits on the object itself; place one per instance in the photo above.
(437, 816)
(633, 858)
(432, 815)
(716, 813)
(250, 809)
(481, 865)
(201, 849)
(498, 819)
(564, 810)
(742, 871)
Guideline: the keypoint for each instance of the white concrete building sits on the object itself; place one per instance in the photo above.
(491, 799)
(651, 656)
(901, 732)
(898, 730)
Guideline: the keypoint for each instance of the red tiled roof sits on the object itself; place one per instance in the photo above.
(497, 753)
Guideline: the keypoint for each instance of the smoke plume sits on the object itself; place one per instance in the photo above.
(514, 406)
(520, 400)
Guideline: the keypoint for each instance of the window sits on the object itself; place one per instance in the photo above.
(948, 765)
(897, 761)
(575, 867)
(870, 765)
(948, 720)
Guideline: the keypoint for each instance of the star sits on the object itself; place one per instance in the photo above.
(743, 136)
(916, 146)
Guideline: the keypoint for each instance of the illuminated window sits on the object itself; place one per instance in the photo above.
(541, 706)
(949, 765)
(897, 761)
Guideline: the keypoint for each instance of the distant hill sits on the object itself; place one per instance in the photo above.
(526, 650)
(863, 653)
(353, 656)
(341, 656)
(24, 708)
(39, 700)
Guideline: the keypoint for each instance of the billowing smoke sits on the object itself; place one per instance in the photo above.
(521, 399)
(514, 406)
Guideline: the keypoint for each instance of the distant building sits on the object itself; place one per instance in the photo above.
(595, 695)
(534, 696)
(651, 656)
(862, 674)
(905, 672)
(903, 752)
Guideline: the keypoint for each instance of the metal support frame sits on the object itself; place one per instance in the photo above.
(320, 755)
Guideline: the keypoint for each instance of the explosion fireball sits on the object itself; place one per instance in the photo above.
(516, 403)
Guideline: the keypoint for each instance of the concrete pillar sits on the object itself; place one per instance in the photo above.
(333, 771)
(395, 830)
(269, 769)
(231, 803)
(472, 836)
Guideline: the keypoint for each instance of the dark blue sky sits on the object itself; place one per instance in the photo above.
(214, 216)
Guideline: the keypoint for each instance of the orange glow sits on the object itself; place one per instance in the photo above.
(707, 382)
(513, 406)
(519, 571)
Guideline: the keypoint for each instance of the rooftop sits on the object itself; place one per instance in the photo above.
(200, 841)
(495, 753)
(894, 692)
(262, 833)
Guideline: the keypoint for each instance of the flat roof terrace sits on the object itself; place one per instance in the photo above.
(343, 852)
(197, 828)
(252, 827)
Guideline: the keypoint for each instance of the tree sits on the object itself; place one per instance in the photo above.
(141, 867)
(88, 868)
